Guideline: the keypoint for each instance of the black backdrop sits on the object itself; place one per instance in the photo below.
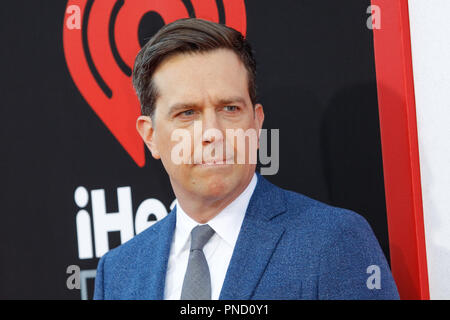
(316, 80)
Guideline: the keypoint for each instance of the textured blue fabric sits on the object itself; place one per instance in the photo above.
(289, 247)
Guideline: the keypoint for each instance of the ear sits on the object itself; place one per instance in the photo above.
(145, 127)
(259, 116)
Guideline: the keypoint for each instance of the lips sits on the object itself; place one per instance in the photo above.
(215, 162)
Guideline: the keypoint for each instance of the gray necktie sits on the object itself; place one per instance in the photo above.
(197, 280)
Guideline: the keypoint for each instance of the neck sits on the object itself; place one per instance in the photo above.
(203, 209)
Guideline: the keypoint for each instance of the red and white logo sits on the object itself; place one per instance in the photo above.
(100, 50)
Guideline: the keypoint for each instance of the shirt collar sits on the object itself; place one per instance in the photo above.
(226, 223)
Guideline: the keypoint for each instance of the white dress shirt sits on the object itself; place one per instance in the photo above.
(218, 250)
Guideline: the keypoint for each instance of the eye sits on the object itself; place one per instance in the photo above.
(187, 113)
(231, 108)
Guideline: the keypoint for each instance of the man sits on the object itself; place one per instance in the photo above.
(232, 234)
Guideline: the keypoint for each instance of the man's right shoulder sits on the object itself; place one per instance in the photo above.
(128, 250)
(119, 270)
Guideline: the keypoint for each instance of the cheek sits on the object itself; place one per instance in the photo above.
(164, 143)
(175, 147)
(243, 126)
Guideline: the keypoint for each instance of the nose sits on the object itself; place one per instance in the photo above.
(211, 128)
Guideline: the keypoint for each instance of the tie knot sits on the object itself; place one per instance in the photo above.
(200, 236)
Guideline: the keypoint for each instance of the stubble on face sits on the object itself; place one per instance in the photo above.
(211, 89)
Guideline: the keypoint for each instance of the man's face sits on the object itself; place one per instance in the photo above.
(203, 94)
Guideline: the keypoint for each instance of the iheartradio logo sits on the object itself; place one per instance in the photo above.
(101, 40)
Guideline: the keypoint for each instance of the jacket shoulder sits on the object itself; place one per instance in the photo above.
(311, 213)
(119, 270)
(343, 246)
(127, 252)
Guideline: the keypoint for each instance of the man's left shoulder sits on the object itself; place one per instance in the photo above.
(342, 244)
(315, 227)
(317, 215)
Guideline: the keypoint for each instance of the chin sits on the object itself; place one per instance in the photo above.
(215, 186)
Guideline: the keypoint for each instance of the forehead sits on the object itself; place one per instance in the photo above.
(194, 77)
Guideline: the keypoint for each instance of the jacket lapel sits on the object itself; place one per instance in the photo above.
(152, 259)
(256, 242)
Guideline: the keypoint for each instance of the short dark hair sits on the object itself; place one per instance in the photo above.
(187, 36)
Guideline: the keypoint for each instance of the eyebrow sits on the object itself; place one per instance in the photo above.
(226, 101)
(223, 101)
(180, 106)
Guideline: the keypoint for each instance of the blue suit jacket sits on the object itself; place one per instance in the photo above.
(289, 247)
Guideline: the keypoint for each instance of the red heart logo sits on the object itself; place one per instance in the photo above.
(100, 50)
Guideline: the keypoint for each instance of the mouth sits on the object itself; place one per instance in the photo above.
(215, 163)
